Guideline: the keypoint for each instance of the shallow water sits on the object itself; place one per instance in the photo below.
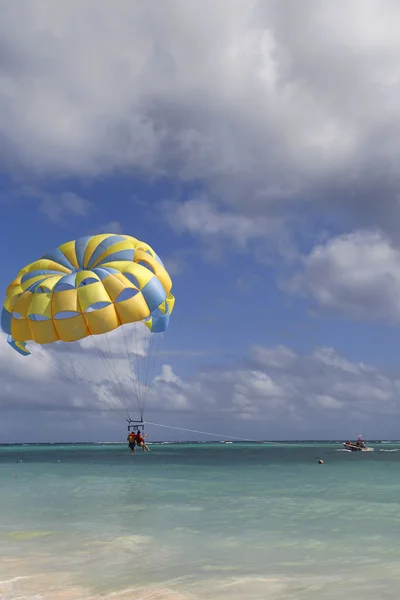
(188, 521)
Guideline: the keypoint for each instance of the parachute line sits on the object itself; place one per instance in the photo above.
(124, 392)
(133, 374)
(152, 363)
(219, 435)
(68, 377)
(110, 375)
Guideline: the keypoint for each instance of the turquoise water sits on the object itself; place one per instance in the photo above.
(193, 521)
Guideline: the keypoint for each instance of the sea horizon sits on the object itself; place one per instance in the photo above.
(222, 441)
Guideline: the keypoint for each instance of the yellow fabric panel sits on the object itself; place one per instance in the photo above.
(142, 274)
(134, 241)
(171, 302)
(14, 287)
(51, 281)
(159, 271)
(89, 294)
(141, 255)
(114, 286)
(44, 264)
(149, 324)
(26, 269)
(20, 345)
(142, 246)
(102, 320)
(65, 301)
(92, 245)
(132, 310)
(126, 245)
(20, 330)
(41, 305)
(22, 304)
(125, 281)
(29, 282)
(81, 275)
(68, 249)
(119, 265)
(43, 332)
(9, 303)
(12, 298)
(164, 278)
(70, 330)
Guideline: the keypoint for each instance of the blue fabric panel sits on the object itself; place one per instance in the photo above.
(121, 255)
(105, 244)
(154, 293)
(80, 248)
(59, 257)
(68, 282)
(104, 272)
(6, 317)
(32, 274)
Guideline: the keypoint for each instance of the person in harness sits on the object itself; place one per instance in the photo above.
(140, 441)
(131, 439)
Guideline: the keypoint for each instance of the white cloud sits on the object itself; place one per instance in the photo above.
(110, 227)
(55, 207)
(319, 394)
(215, 227)
(178, 261)
(278, 358)
(281, 378)
(277, 393)
(329, 402)
(357, 274)
(175, 266)
(330, 358)
(201, 218)
(96, 372)
(266, 101)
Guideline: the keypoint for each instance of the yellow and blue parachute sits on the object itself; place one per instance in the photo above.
(87, 287)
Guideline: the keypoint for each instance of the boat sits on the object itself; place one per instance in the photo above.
(358, 446)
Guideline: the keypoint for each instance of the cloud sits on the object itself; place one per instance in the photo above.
(33, 384)
(245, 284)
(201, 218)
(93, 373)
(55, 207)
(220, 229)
(190, 352)
(273, 392)
(280, 357)
(266, 102)
(178, 261)
(110, 227)
(319, 394)
(356, 274)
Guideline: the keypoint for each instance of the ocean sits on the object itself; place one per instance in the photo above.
(191, 521)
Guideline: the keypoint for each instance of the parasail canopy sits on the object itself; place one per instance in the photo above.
(88, 287)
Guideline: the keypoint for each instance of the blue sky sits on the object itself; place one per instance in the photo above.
(269, 189)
